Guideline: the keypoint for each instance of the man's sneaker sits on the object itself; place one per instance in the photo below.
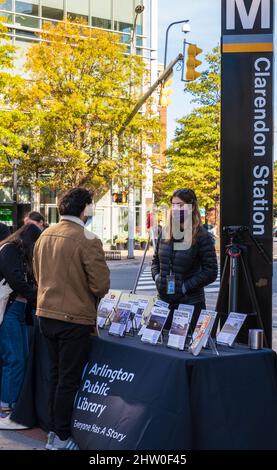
(9, 425)
(50, 439)
(5, 411)
(67, 444)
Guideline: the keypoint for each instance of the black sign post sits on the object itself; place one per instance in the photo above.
(246, 155)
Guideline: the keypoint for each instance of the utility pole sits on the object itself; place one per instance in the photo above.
(131, 190)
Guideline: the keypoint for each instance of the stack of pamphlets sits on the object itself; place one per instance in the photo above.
(187, 308)
(231, 328)
(201, 335)
(105, 310)
(106, 307)
(120, 319)
(141, 308)
(179, 329)
(152, 331)
(158, 303)
(200, 321)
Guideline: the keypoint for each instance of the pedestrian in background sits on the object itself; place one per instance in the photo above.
(72, 275)
(35, 218)
(181, 275)
(16, 254)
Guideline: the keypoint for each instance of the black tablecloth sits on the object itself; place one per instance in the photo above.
(169, 400)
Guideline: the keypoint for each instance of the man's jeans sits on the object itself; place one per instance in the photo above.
(13, 351)
(68, 346)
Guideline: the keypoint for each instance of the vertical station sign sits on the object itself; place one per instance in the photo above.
(247, 141)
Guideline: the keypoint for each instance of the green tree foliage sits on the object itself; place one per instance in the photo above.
(194, 155)
(82, 86)
(12, 120)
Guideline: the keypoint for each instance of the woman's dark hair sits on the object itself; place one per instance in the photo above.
(36, 216)
(25, 238)
(189, 197)
(74, 201)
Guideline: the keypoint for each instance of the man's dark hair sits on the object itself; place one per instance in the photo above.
(74, 201)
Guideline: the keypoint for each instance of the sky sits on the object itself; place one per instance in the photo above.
(205, 22)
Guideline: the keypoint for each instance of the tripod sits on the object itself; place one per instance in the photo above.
(237, 255)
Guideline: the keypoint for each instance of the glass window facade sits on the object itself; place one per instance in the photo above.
(6, 5)
(53, 9)
(116, 15)
(27, 7)
(78, 9)
(101, 14)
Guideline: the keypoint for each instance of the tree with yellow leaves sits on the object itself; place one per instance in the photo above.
(13, 122)
(82, 86)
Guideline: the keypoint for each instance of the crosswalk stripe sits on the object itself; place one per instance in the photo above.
(146, 282)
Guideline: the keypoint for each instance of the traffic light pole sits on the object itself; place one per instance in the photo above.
(166, 73)
(131, 208)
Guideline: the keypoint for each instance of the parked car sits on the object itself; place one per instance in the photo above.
(274, 231)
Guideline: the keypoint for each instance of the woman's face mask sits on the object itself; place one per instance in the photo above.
(179, 215)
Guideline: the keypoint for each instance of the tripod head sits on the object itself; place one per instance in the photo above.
(235, 231)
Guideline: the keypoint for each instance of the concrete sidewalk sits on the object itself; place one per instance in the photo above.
(29, 439)
(138, 255)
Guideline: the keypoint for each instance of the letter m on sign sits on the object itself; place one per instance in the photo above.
(247, 16)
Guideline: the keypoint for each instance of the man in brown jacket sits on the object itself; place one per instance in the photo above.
(72, 276)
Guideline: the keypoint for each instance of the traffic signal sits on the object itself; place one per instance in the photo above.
(120, 198)
(192, 63)
(166, 91)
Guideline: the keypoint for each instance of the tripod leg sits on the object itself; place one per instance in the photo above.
(221, 295)
(253, 296)
(223, 286)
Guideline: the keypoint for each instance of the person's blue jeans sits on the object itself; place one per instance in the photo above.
(13, 351)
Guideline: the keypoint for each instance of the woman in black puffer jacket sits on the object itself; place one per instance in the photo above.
(184, 261)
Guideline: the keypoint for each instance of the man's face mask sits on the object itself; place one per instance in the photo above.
(88, 220)
(88, 213)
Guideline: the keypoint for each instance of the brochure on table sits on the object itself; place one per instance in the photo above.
(152, 331)
(200, 321)
(120, 319)
(157, 303)
(106, 307)
(231, 328)
(141, 309)
(179, 327)
(203, 333)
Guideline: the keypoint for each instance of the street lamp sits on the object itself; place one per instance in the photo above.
(131, 200)
(186, 29)
(14, 163)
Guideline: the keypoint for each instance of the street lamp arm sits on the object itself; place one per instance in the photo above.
(166, 37)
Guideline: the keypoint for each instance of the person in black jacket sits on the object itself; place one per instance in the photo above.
(185, 260)
(16, 254)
